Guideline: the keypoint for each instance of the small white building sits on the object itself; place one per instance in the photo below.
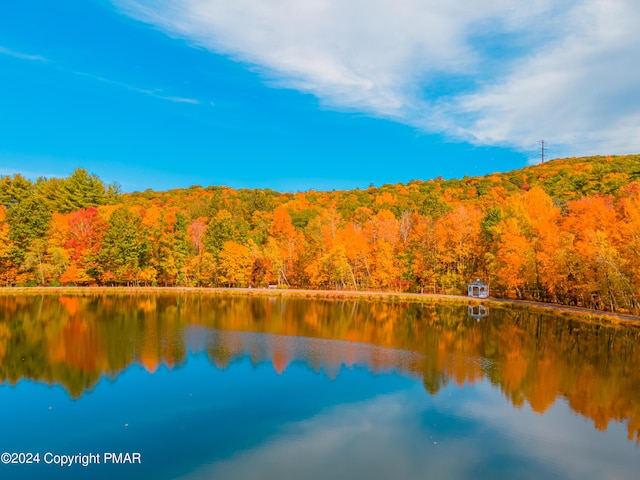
(478, 289)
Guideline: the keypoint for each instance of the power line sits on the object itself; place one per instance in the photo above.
(542, 150)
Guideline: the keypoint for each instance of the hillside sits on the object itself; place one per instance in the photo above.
(562, 180)
(565, 231)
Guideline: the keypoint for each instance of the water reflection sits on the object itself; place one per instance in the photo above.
(477, 311)
(381, 438)
(534, 359)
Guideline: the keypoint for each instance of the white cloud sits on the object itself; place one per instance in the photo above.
(529, 70)
(581, 90)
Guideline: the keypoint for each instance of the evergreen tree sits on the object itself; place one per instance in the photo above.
(82, 190)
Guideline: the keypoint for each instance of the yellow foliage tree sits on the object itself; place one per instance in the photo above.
(235, 262)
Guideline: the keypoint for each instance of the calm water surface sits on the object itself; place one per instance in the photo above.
(269, 388)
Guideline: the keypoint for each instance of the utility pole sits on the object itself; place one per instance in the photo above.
(542, 150)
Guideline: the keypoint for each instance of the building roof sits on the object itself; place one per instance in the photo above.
(478, 283)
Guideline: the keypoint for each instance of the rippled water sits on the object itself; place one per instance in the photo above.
(271, 388)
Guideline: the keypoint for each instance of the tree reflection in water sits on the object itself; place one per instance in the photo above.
(533, 358)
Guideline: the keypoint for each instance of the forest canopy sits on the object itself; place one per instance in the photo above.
(566, 231)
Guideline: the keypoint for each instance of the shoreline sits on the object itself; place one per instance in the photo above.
(491, 302)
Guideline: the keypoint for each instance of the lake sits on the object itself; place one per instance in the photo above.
(192, 386)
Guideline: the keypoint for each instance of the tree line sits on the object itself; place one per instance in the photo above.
(567, 231)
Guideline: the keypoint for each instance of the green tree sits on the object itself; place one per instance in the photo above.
(81, 190)
(219, 231)
(28, 221)
(125, 249)
(14, 190)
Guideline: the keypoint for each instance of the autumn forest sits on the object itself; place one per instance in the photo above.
(566, 231)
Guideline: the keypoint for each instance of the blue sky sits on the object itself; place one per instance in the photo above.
(322, 94)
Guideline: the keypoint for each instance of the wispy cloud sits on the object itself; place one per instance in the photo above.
(22, 56)
(496, 74)
(156, 93)
(192, 101)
